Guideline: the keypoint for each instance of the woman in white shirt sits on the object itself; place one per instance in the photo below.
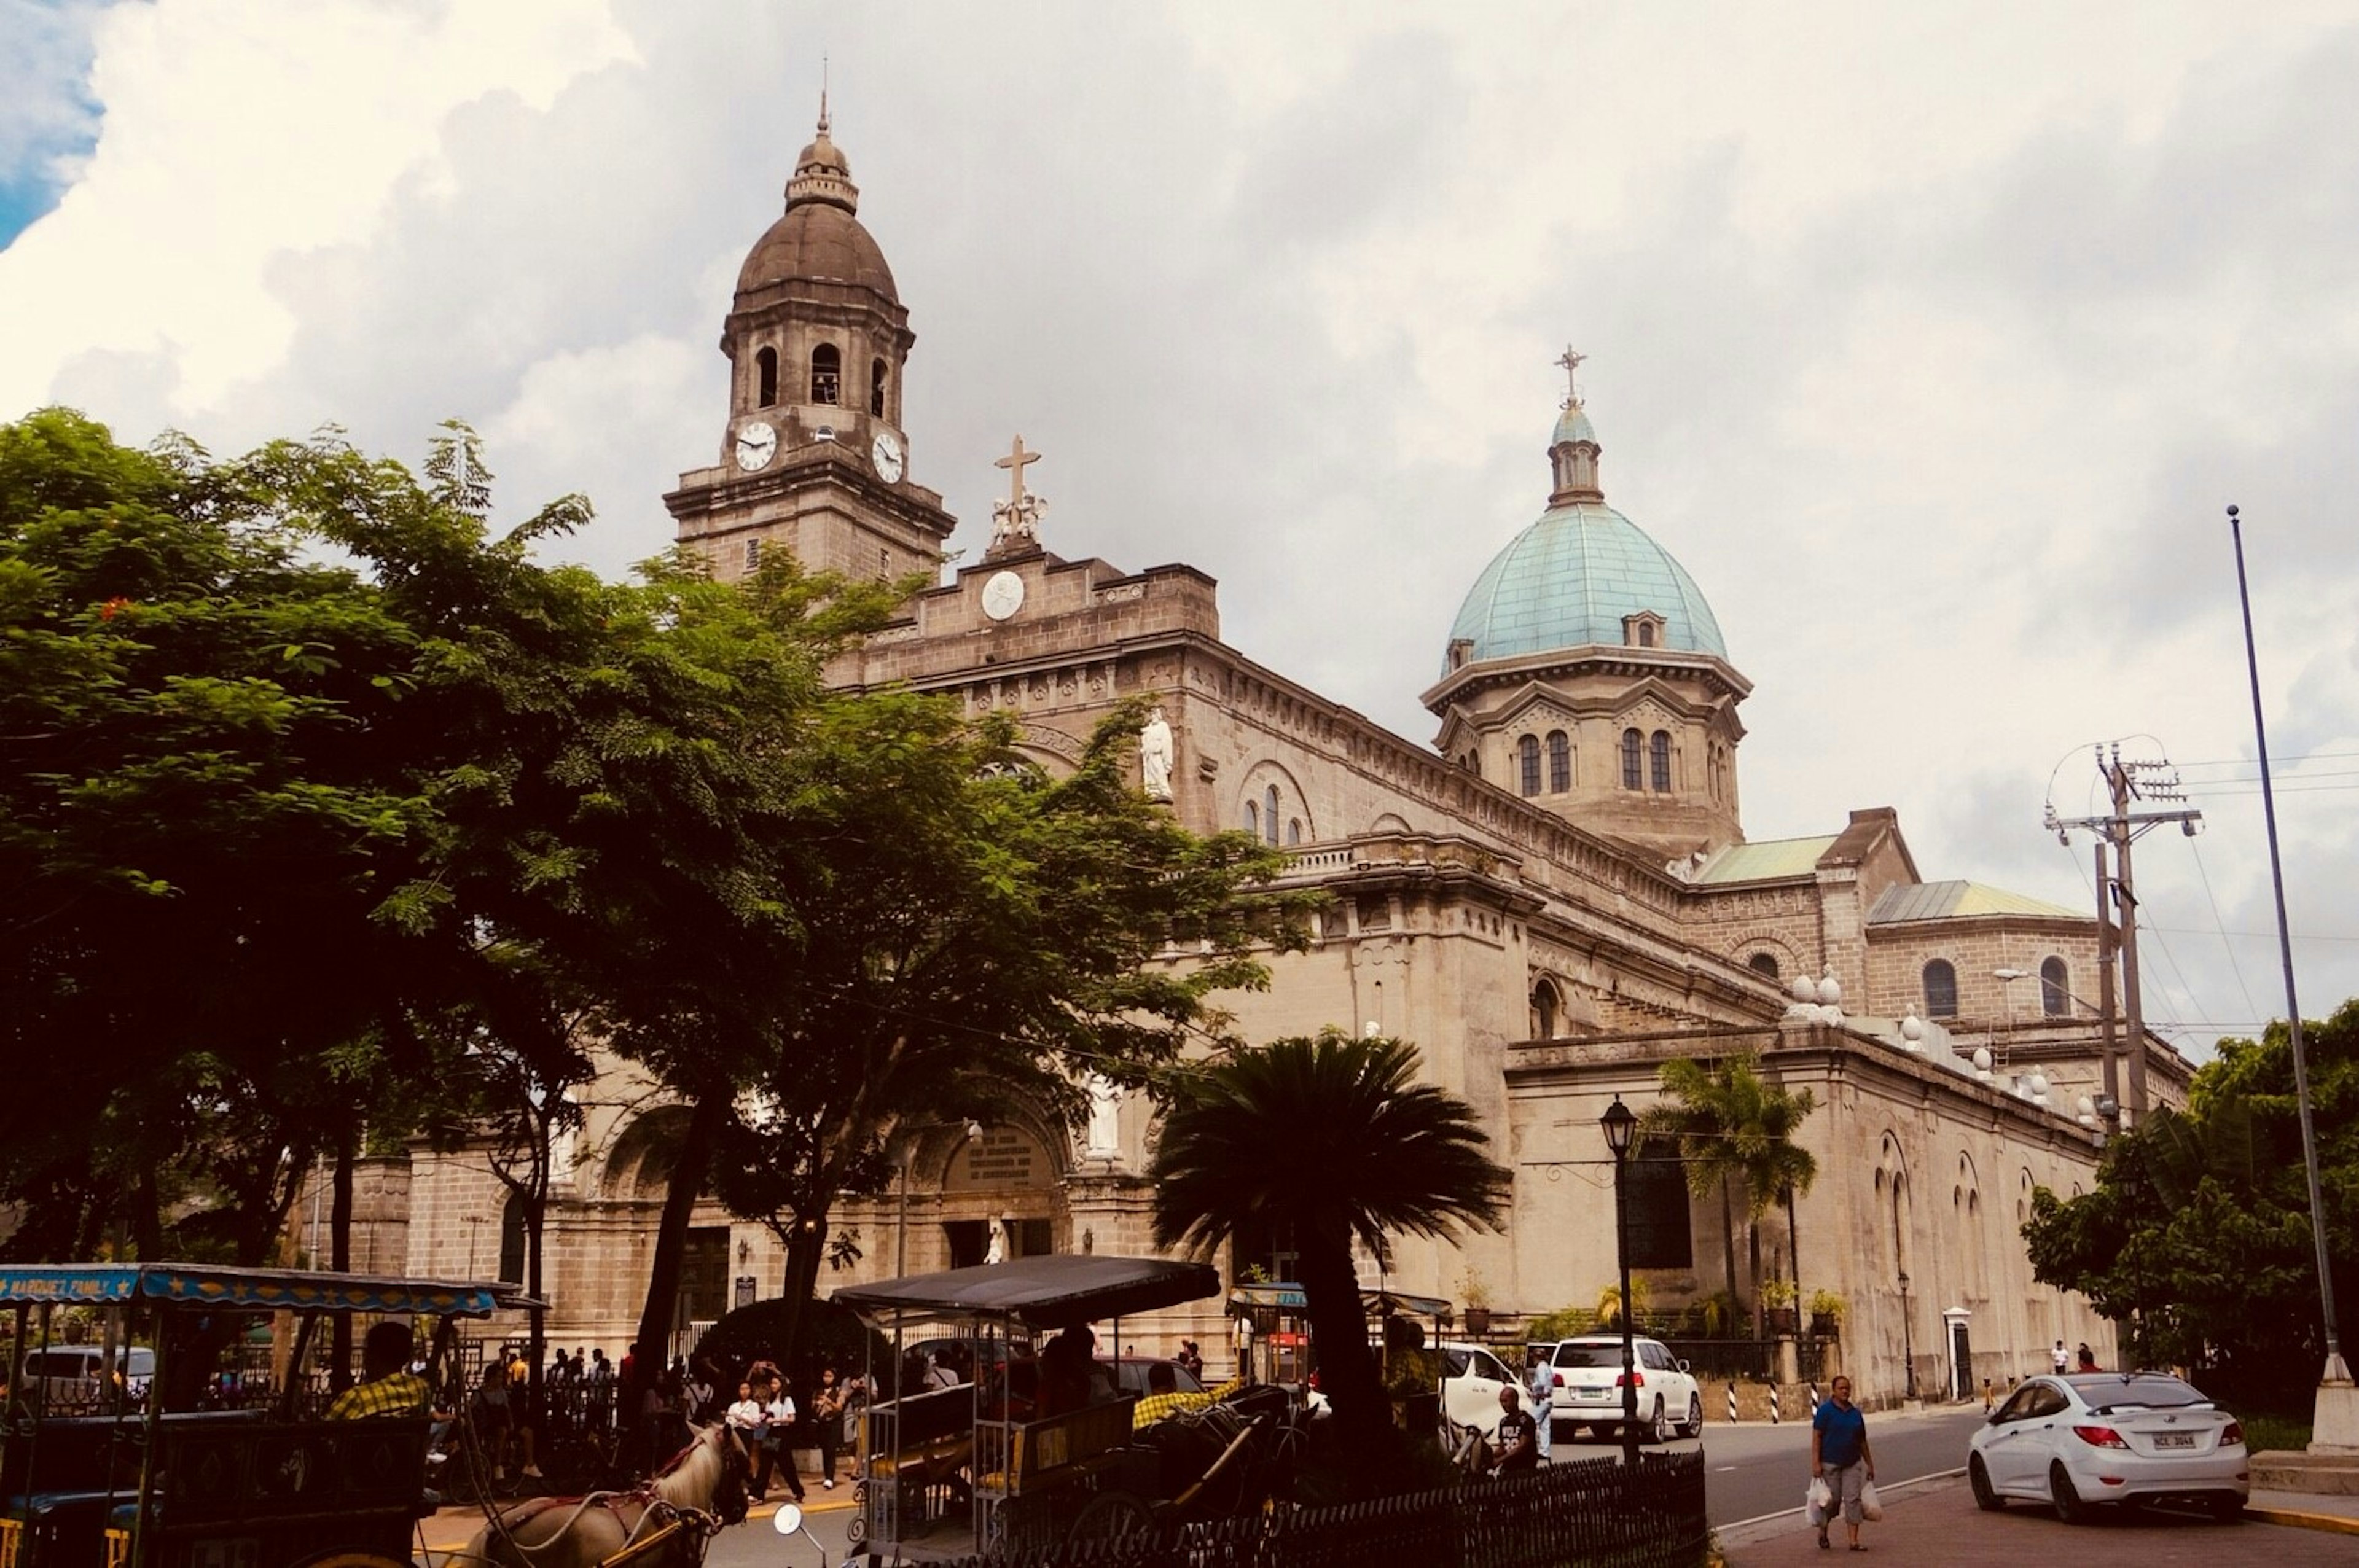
(747, 1419)
(780, 1410)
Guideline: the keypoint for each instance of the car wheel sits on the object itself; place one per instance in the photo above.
(2066, 1497)
(2225, 1508)
(1660, 1429)
(1986, 1498)
(1695, 1416)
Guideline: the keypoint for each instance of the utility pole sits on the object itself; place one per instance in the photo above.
(2126, 782)
(2109, 1033)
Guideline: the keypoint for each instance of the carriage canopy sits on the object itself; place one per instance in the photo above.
(1052, 1291)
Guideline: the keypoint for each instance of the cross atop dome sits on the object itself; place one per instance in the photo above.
(1570, 360)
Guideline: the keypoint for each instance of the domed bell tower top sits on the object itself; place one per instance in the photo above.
(813, 456)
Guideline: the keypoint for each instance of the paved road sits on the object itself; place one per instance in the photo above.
(1938, 1526)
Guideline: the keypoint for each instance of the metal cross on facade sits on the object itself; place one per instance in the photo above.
(1016, 460)
(1572, 363)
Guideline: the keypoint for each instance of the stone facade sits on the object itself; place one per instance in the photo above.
(1545, 949)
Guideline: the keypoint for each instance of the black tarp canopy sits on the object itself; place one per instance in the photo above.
(1053, 1292)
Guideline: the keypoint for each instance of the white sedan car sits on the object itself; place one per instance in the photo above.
(2110, 1437)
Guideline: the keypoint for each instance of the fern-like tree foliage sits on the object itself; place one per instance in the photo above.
(1735, 1132)
(1336, 1137)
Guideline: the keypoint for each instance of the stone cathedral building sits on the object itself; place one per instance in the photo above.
(1552, 898)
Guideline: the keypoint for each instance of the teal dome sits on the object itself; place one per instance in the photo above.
(1572, 425)
(1568, 581)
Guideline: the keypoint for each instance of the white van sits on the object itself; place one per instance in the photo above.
(66, 1376)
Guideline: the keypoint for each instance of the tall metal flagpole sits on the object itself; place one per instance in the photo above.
(2336, 1371)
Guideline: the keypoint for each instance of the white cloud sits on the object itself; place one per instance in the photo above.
(1932, 341)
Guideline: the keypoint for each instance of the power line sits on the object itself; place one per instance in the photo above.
(2227, 945)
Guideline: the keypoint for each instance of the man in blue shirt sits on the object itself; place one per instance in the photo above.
(1839, 1452)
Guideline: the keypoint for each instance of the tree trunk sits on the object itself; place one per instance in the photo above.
(340, 1258)
(1753, 1262)
(688, 1174)
(1347, 1372)
(1728, 1245)
(806, 1244)
(1794, 1255)
(535, 1218)
(146, 1217)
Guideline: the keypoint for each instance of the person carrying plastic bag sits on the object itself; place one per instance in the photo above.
(1842, 1465)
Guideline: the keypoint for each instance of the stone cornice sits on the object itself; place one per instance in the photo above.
(1719, 677)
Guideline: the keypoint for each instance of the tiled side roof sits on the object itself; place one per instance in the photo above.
(1769, 858)
(1959, 900)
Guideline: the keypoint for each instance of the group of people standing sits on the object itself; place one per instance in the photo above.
(765, 1418)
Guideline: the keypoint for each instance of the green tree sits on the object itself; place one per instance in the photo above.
(1735, 1132)
(1336, 1137)
(2198, 1232)
(990, 934)
(192, 841)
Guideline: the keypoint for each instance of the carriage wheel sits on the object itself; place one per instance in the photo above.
(1112, 1516)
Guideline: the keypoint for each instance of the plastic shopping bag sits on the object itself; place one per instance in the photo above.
(1869, 1508)
(1817, 1501)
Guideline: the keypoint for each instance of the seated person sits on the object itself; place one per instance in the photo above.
(1518, 1442)
(388, 1386)
(1067, 1363)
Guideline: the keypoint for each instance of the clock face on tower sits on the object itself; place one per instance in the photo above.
(756, 442)
(884, 454)
(1003, 596)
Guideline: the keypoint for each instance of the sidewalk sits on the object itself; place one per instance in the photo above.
(1938, 1526)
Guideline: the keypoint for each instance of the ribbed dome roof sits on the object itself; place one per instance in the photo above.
(1568, 581)
(816, 240)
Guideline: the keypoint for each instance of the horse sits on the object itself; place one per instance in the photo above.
(663, 1524)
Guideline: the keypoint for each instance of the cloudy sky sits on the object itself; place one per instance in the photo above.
(1933, 339)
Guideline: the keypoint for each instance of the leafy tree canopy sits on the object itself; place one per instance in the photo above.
(2198, 1232)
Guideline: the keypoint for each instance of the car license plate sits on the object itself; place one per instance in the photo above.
(2174, 1440)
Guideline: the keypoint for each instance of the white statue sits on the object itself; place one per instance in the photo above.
(998, 1252)
(1155, 756)
(1105, 1118)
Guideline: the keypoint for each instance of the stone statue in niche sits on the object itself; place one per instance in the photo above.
(1154, 754)
(998, 1252)
(1105, 1118)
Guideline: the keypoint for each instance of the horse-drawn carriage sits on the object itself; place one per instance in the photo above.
(984, 1456)
(181, 1454)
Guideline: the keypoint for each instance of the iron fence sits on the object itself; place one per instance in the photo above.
(1598, 1512)
(1727, 1360)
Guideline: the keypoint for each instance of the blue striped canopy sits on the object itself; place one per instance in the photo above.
(98, 1284)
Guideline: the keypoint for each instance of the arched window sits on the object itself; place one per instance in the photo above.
(1252, 820)
(1293, 830)
(1528, 754)
(1269, 813)
(1633, 761)
(766, 368)
(1560, 762)
(876, 387)
(1940, 989)
(1646, 633)
(2055, 993)
(827, 374)
(1544, 1011)
(1763, 964)
(1661, 757)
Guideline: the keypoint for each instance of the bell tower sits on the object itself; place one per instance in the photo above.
(813, 456)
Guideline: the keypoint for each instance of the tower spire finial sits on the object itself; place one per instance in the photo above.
(1570, 361)
(822, 95)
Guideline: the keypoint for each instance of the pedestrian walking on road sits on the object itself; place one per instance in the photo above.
(1839, 1452)
(1539, 1381)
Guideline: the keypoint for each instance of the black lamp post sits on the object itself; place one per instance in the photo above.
(1907, 1346)
(1620, 1124)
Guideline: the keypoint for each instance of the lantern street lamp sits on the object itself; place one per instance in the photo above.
(1620, 1125)
(1907, 1345)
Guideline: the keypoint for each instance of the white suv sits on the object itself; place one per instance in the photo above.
(1586, 1387)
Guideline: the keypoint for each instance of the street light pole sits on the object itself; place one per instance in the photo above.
(1908, 1343)
(1620, 1124)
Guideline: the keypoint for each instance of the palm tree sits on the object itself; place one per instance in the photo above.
(1336, 1136)
(1736, 1130)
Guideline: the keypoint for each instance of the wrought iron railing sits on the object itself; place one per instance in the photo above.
(1649, 1515)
